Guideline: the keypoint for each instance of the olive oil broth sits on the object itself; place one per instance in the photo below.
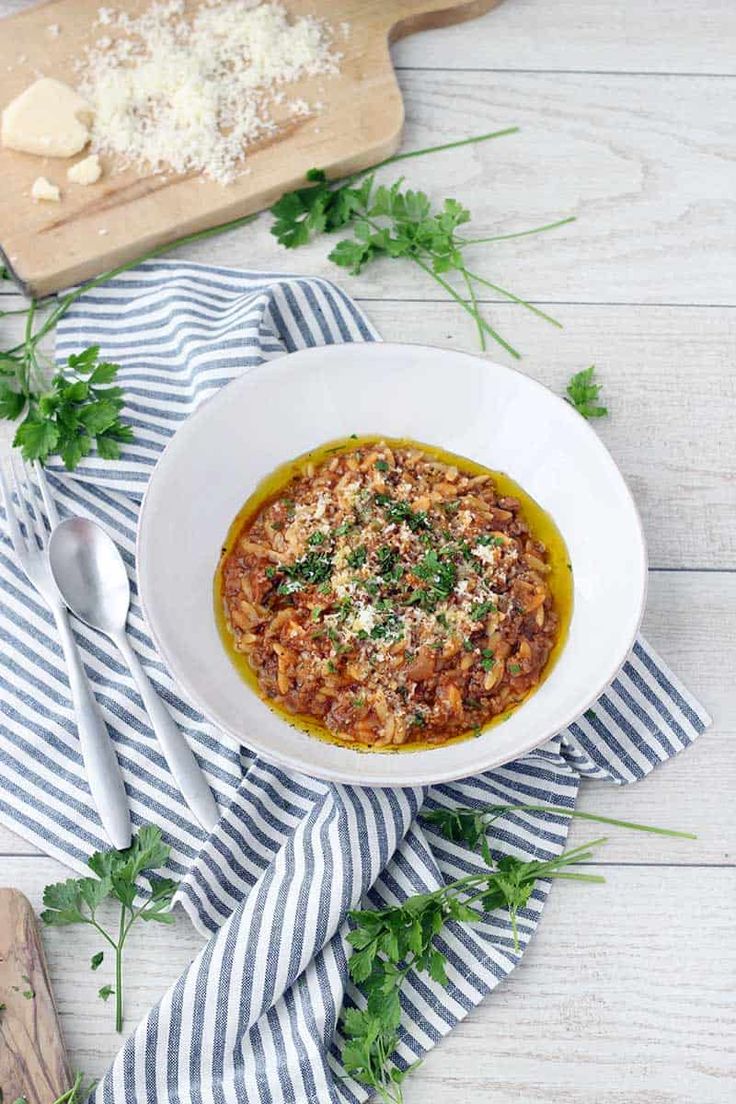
(273, 486)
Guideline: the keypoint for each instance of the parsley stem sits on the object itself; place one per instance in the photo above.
(25, 375)
(467, 307)
(474, 301)
(496, 811)
(517, 233)
(119, 972)
(515, 299)
(445, 146)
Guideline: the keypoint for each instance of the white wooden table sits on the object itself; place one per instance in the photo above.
(627, 995)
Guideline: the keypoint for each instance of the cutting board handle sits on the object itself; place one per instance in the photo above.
(398, 18)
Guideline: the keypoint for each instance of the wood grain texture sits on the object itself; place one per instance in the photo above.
(645, 165)
(50, 246)
(33, 1062)
(659, 36)
(626, 994)
(620, 999)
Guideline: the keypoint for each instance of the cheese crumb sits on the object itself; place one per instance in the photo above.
(44, 190)
(49, 119)
(189, 92)
(87, 171)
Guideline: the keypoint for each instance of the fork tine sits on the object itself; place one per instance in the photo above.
(24, 492)
(16, 536)
(52, 513)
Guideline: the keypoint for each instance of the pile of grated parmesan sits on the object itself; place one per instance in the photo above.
(189, 92)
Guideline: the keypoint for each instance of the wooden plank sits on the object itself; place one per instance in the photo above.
(33, 1062)
(661, 36)
(642, 163)
(624, 997)
(13, 844)
(677, 457)
(626, 987)
(50, 246)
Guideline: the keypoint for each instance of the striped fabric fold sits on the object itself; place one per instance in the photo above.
(255, 1018)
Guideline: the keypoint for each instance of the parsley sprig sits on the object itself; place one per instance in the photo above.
(583, 393)
(390, 943)
(77, 900)
(398, 222)
(80, 407)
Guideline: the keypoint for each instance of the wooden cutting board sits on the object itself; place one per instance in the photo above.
(48, 246)
(33, 1062)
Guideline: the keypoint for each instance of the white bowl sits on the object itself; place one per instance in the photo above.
(463, 403)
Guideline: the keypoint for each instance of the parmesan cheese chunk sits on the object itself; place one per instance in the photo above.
(43, 189)
(49, 119)
(87, 171)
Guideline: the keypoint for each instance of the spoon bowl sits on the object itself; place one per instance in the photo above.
(90, 574)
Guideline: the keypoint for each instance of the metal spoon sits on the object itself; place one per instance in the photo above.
(90, 574)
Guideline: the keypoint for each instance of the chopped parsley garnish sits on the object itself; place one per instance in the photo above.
(390, 626)
(488, 660)
(515, 668)
(468, 644)
(481, 611)
(397, 510)
(343, 529)
(418, 719)
(439, 574)
(388, 564)
(314, 568)
(270, 572)
(442, 620)
(317, 538)
(381, 465)
(486, 539)
(331, 667)
(359, 702)
(344, 609)
(358, 556)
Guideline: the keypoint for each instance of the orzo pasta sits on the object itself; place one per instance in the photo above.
(388, 595)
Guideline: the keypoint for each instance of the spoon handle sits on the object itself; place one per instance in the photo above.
(177, 752)
(100, 762)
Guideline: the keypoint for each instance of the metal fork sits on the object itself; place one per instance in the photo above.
(103, 771)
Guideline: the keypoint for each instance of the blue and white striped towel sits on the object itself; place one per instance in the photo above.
(255, 1017)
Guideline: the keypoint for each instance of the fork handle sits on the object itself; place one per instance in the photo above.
(104, 777)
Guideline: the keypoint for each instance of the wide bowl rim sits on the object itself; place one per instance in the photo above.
(387, 777)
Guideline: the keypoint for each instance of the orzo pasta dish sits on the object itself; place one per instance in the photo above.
(390, 595)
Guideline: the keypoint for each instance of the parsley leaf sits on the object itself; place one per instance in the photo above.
(398, 223)
(76, 900)
(583, 393)
(78, 412)
(312, 569)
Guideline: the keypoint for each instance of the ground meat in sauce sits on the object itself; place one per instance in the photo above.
(391, 598)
